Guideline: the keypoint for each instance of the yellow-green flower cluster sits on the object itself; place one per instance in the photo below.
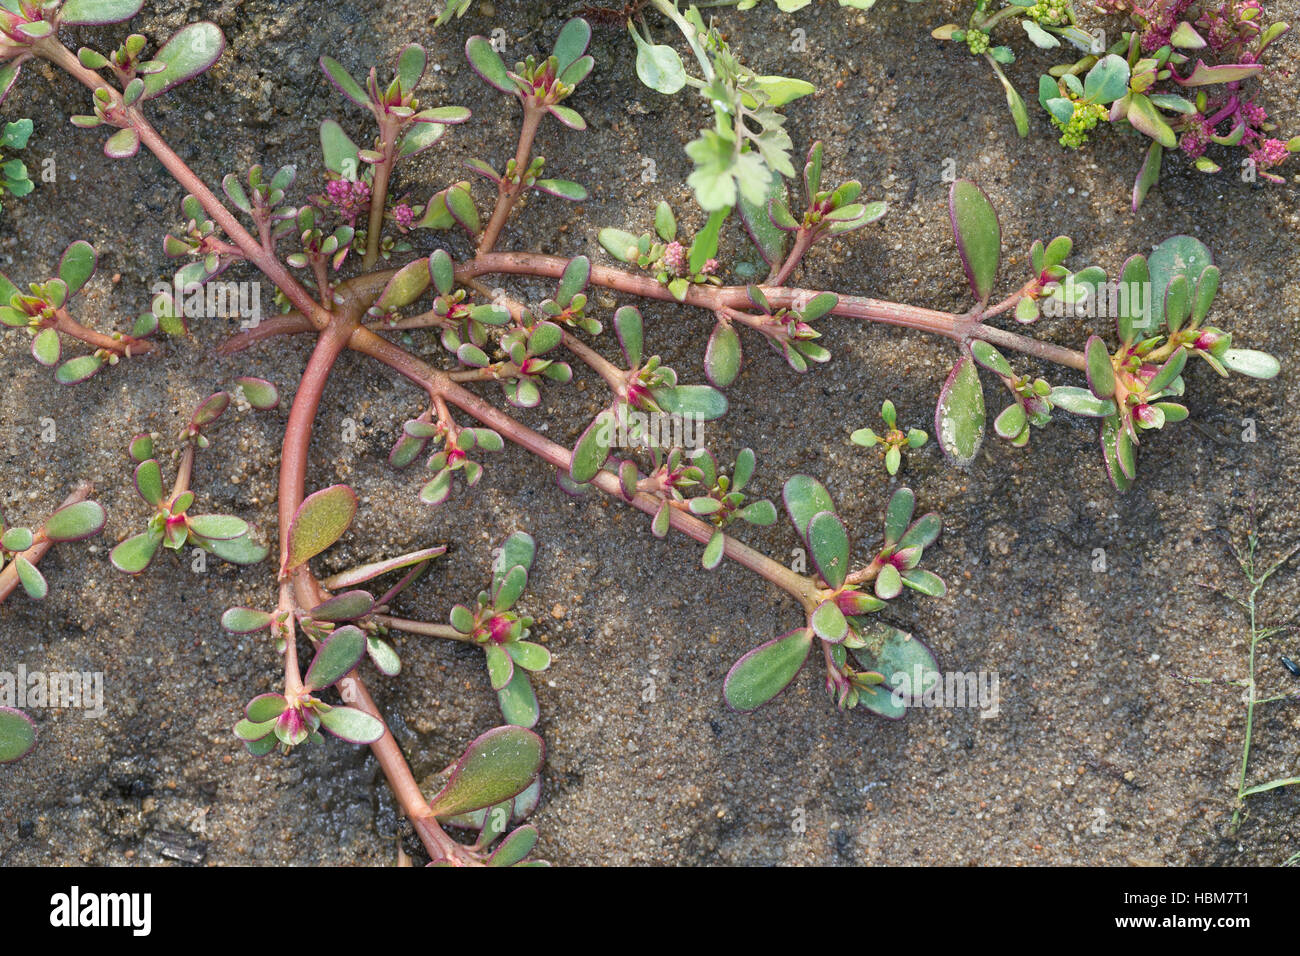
(1052, 13)
(1086, 117)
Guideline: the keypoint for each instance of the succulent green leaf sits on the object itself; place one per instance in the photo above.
(218, 527)
(17, 735)
(923, 532)
(1081, 401)
(487, 64)
(46, 347)
(419, 137)
(979, 238)
(461, 206)
(500, 666)
(1168, 372)
(959, 415)
(926, 582)
(383, 657)
(569, 117)
(1251, 362)
(593, 447)
(714, 551)
(405, 287)
(83, 519)
(338, 654)
(148, 481)
(244, 620)
(573, 280)
(242, 550)
(16, 539)
(563, 188)
(320, 521)
(77, 12)
(1101, 372)
(135, 554)
(898, 657)
(507, 589)
(805, 497)
(410, 65)
(829, 623)
(1177, 255)
(368, 572)
(722, 356)
(352, 725)
(495, 767)
(343, 81)
(767, 670)
(518, 550)
(123, 144)
(572, 42)
(77, 265)
(78, 369)
(347, 606)
(1144, 117)
(515, 847)
(898, 515)
(769, 238)
(1207, 286)
(265, 707)
(1117, 452)
(619, 244)
(630, 329)
(829, 544)
(704, 401)
(529, 656)
(1148, 175)
(1011, 421)
(191, 51)
(259, 393)
(665, 222)
(518, 701)
(32, 580)
(889, 583)
(340, 154)
(989, 357)
(1134, 316)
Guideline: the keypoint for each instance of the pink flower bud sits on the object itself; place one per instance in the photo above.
(675, 258)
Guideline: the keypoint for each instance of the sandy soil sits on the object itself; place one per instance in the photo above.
(1099, 755)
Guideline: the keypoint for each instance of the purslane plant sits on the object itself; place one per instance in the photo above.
(349, 302)
(21, 548)
(13, 172)
(1181, 75)
(43, 311)
(893, 441)
(172, 525)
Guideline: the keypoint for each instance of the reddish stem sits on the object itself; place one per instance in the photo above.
(123, 345)
(439, 384)
(379, 190)
(508, 193)
(51, 49)
(40, 544)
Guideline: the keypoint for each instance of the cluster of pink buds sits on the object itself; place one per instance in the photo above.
(674, 259)
(1196, 137)
(404, 216)
(350, 196)
(1231, 24)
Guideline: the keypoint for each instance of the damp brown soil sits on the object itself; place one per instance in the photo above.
(1100, 753)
